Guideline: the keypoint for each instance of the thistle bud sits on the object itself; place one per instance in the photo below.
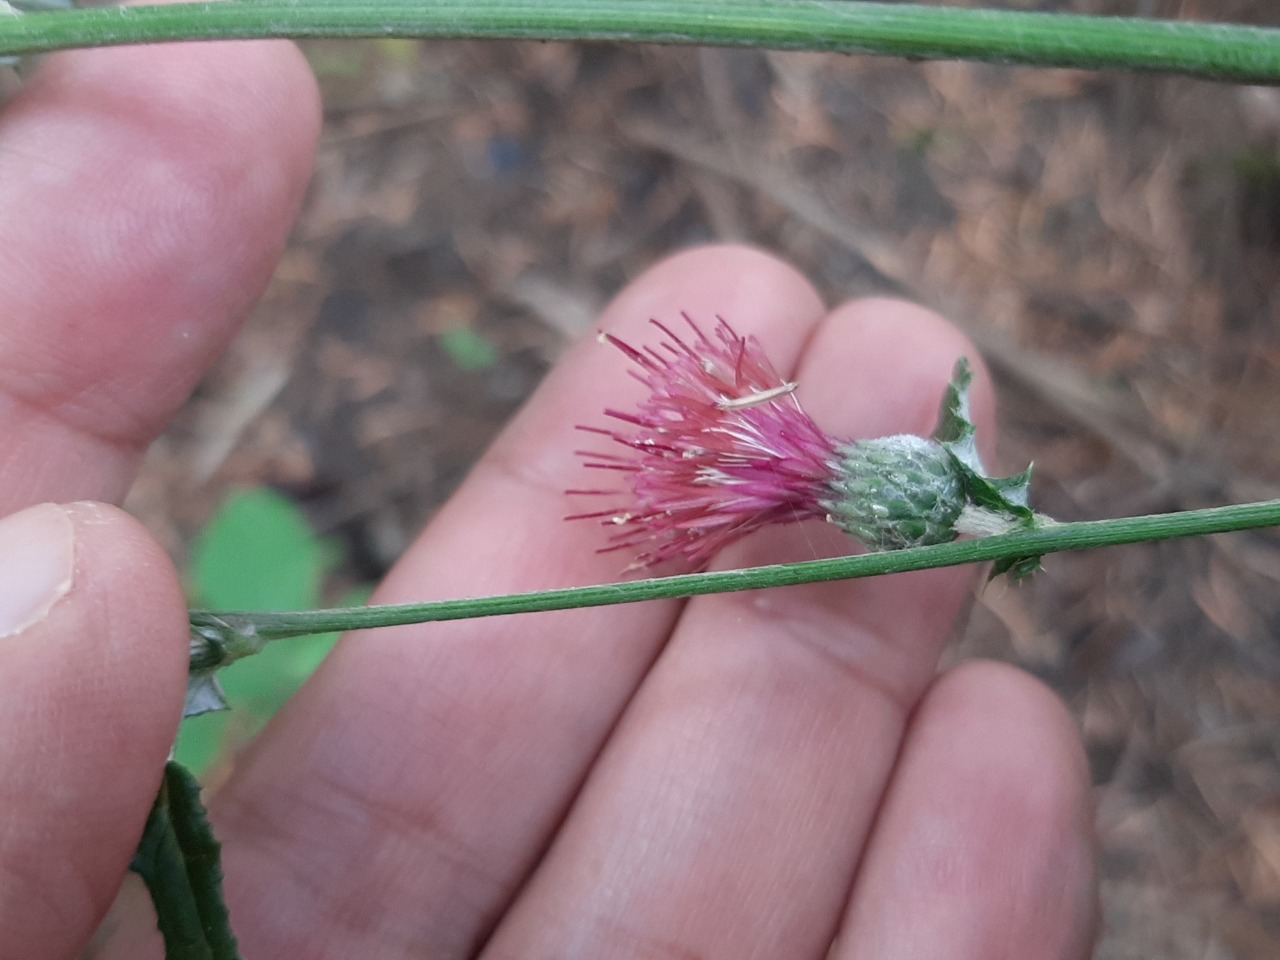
(894, 492)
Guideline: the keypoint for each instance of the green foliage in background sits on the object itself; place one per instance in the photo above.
(257, 553)
(468, 350)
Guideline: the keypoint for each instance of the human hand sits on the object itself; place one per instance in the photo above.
(738, 775)
(145, 195)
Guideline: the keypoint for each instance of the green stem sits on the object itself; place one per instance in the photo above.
(1049, 539)
(1215, 51)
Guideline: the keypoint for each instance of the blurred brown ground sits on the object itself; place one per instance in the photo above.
(1111, 241)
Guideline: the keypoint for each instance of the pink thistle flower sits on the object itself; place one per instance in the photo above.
(720, 448)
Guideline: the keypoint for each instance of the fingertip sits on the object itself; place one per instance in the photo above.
(127, 582)
(223, 89)
(984, 845)
(91, 690)
(215, 140)
(732, 281)
(1022, 776)
(1011, 725)
(147, 192)
(902, 356)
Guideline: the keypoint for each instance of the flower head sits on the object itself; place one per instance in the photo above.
(720, 448)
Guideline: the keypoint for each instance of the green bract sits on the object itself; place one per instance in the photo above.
(908, 491)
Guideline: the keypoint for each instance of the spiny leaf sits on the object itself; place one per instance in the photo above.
(180, 862)
(1015, 489)
(1006, 496)
(955, 429)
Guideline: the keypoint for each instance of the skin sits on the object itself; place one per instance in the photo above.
(774, 774)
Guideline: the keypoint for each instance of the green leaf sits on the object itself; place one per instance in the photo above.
(180, 862)
(1006, 496)
(955, 429)
(201, 740)
(468, 350)
(958, 436)
(258, 553)
(1015, 489)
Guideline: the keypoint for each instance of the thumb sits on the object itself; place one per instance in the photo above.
(93, 660)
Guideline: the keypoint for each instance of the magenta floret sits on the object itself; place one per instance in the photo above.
(720, 448)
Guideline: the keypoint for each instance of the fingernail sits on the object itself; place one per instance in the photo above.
(37, 561)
